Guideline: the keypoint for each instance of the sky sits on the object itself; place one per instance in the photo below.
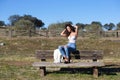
(54, 11)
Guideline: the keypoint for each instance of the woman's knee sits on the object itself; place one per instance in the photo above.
(60, 47)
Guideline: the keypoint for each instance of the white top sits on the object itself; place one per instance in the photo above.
(72, 39)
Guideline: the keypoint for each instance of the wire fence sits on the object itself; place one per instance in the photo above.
(56, 33)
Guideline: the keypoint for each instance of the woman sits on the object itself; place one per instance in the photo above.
(72, 33)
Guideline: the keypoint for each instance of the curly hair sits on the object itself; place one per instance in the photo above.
(71, 27)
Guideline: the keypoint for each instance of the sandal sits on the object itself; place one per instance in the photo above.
(66, 60)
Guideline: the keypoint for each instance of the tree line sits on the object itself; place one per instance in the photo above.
(27, 22)
(24, 22)
(93, 26)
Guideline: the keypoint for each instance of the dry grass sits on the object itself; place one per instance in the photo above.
(17, 55)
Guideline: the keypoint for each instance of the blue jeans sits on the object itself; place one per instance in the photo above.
(67, 49)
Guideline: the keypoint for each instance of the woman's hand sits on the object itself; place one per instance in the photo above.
(76, 27)
(63, 33)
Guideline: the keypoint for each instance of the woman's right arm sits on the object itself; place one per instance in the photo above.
(63, 33)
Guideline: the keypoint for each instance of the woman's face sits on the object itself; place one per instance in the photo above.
(68, 28)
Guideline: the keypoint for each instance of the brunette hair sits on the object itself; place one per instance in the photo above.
(71, 27)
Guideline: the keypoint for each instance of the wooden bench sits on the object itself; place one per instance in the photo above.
(47, 55)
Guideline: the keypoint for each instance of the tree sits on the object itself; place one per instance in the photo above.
(37, 22)
(94, 26)
(2, 23)
(24, 25)
(106, 26)
(118, 26)
(13, 19)
(109, 26)
(58, 26)
(112, 25)
(97, 23)
(81, 25)
(68, 22)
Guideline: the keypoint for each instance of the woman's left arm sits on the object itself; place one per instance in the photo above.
(76, 30)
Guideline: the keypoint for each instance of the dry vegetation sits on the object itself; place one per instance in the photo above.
(17, 55)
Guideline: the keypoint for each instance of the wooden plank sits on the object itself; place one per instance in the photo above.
(44, 53)
(77, 64)
(82, 54)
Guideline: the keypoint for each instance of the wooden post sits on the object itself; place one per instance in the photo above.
(10, 33)
(117, 34)
(46, 32)
(95, 72)
(29, 33)
(100, 33)
(94, 57)
(42, 71)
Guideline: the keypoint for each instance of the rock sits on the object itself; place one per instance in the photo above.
(2, 44)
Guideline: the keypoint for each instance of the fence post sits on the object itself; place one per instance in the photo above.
(117, 35)
(29, 33)
(82, 33)
(100, 33)
(10, 33)
(47, 33)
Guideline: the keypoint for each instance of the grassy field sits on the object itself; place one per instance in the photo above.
(18, 54)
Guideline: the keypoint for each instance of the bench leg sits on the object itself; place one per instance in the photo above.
(95, 72)
(42, 71)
